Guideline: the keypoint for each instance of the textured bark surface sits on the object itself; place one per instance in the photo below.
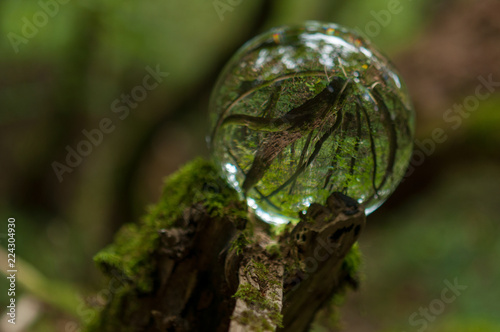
(221, 272)
(310, 269)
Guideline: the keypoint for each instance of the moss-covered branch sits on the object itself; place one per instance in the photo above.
(196, 262)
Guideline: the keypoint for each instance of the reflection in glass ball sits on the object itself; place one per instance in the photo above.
(300, 112)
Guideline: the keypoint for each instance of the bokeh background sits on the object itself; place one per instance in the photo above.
(65, 63)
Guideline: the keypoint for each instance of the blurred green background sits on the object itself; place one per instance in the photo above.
(64, 64)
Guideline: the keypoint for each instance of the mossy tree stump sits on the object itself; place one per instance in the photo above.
(197, 262)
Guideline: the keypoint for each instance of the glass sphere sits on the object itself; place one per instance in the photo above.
(300, 112)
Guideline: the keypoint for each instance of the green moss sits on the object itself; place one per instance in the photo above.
(107, 320)
(247, 317)
(256, 296)
(263, 277)
(197, 181)
(240, 243)
(276, 317)
(251, 295)
(274, 250)
(131, 252)
(352, 262)
(245, 237)
(265, 325)
(252, 320)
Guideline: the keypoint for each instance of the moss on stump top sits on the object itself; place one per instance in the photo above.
(131, 252)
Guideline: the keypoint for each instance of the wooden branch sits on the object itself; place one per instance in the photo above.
(312, 255)
(319, 247)
(259, 296)
(212, 269)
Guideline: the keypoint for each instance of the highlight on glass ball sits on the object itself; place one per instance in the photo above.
(300, 112)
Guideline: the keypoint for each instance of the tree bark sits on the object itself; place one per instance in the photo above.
(213, 269)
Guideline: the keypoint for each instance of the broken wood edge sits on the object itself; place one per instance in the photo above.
(308, 270)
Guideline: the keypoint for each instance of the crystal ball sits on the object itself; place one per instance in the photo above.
(300, 112)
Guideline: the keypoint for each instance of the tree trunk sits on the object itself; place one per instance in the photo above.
(198, 263)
